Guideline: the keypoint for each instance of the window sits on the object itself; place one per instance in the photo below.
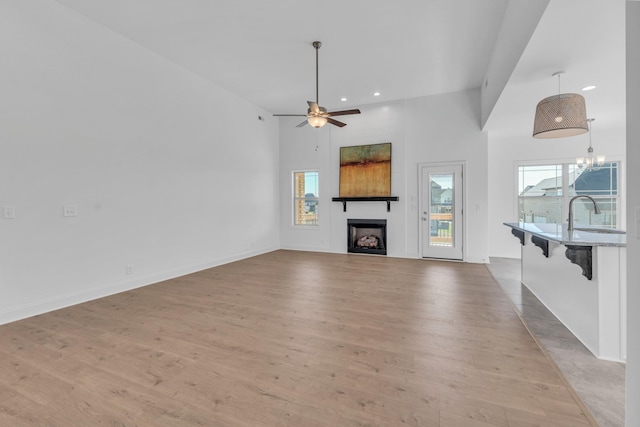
(544, 192)
(540, 193)
(305, 198)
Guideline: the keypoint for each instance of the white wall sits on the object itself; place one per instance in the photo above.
(445, 128)
(633, 213)
(429, 129)
(169, 173)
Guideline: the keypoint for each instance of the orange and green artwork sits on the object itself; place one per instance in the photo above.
(365, 170)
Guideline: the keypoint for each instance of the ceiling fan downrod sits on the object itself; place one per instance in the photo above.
(318, 116)
(317, 45)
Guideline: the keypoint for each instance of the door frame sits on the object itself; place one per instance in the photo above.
(422, 195)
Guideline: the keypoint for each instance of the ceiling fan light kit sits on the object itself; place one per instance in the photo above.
(318, 116)
(317, 121)
(561, 115)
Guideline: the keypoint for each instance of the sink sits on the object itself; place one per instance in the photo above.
(600, 230)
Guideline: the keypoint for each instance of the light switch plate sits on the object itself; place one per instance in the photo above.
(69, 210)
(9, 212)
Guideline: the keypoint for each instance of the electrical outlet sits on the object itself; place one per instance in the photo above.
(69, 211)
(128, 269)
(9, 212)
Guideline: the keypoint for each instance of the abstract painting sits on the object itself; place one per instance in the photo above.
(365, 170)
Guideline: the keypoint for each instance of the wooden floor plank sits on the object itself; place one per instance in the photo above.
(288, 338)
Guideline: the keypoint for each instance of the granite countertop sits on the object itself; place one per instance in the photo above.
(559, 233)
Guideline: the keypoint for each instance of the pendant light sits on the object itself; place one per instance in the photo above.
(561, 115)
(590, 161)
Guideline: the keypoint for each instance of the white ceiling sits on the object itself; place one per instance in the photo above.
(584, 38)
(261, 50)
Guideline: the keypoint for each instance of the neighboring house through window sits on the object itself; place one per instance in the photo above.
(544, 192)
(305, 198)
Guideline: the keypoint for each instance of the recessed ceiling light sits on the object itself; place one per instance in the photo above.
(588, 88)
(376, 93)
(343, 99)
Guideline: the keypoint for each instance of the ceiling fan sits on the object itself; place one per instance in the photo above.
(318, 116)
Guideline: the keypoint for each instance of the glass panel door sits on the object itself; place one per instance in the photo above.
(441, 216)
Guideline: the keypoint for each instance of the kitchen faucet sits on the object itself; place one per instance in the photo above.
(596, 209)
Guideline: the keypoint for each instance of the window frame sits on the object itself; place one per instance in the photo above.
(565, 197)
(295, 199)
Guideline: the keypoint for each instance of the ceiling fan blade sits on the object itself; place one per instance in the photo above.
(290, 115)
(313, 107)
(343, 112)
(335, 122)
(302, 124)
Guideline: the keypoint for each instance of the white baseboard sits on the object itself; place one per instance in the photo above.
(62, 301)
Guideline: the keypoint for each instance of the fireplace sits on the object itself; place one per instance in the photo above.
(367, 236)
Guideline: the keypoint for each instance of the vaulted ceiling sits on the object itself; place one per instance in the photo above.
(262, 51)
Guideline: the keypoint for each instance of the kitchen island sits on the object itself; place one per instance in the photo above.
(580, 276)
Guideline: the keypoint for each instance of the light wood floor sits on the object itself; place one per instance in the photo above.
(288, 339)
